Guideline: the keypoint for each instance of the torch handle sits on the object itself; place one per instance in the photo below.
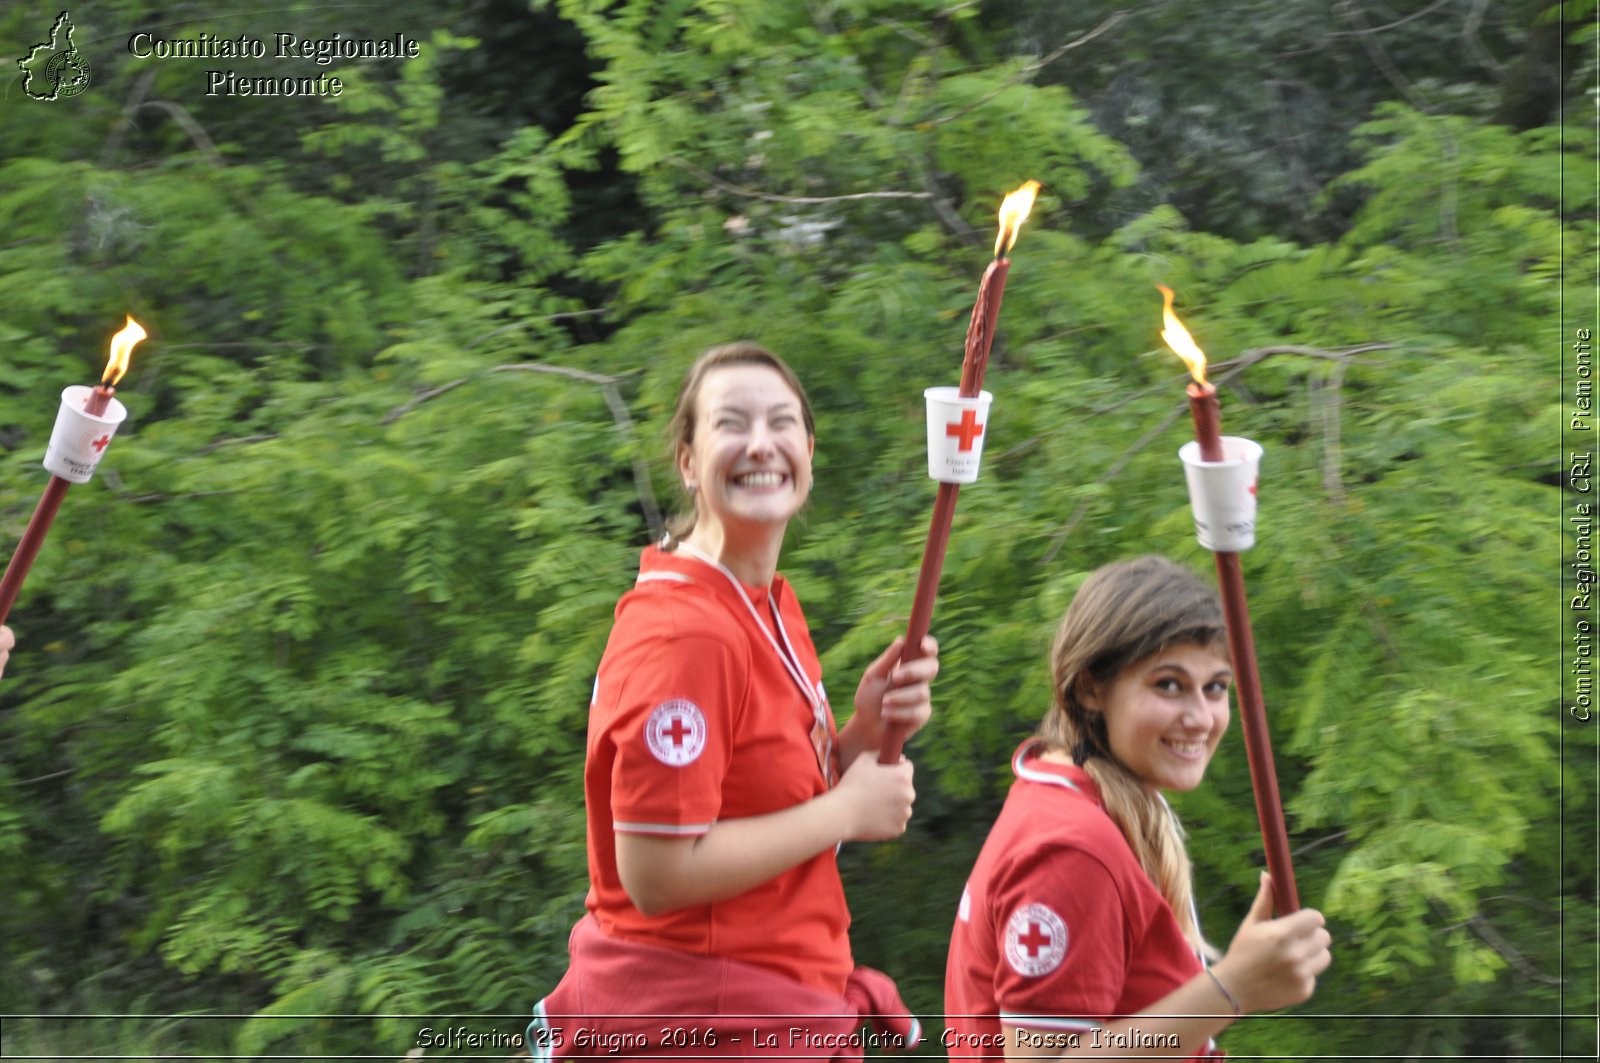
(32, 538)
(1207, 421)
(1257, 739)
(981, 327)
(100, 398)
(944, 511)
(974, 361)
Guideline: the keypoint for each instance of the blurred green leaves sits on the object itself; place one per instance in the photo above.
(296, 722)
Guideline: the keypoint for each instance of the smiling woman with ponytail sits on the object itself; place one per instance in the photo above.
(718, 787)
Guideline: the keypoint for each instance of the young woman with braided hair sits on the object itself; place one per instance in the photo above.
(1077, 934)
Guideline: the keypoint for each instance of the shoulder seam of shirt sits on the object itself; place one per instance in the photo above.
(1005, 867)
(688, 617)
(693, 616)
(1044, 846)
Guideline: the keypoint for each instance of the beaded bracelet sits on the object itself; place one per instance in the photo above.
(1238, 1012)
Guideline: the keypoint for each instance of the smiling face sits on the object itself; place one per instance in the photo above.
(1166, 714)
(748, 463)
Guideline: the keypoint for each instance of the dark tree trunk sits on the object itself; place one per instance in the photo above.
(1535, 85)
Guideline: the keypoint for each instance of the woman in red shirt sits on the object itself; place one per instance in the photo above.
(1077, 934)
(718, 788)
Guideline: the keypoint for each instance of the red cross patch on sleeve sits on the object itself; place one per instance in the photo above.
(1036, 940)
(676, 732)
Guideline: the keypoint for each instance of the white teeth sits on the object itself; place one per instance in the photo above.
(1186, 747)
(760, 479)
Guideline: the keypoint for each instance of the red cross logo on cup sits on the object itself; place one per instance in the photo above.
(676, 732)
(967, 431)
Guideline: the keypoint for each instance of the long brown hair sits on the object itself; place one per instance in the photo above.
(1122, 614)
(680, 430)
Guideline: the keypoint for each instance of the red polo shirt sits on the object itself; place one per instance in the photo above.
(1059, 928)
(695, 718)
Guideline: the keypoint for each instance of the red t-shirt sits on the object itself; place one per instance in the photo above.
(1059, 929)
(697, 718)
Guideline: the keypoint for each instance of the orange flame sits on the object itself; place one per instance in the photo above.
(1014, 211)
(121, 350)
(1177, 337)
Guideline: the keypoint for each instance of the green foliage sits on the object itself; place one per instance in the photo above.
(295, 727)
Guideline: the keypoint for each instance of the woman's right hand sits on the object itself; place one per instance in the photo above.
(877, 798)
(1274, 963)
(663, 873)
(7, 641)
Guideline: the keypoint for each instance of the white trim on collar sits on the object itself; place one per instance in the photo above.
(1035, 775)
(676, 577)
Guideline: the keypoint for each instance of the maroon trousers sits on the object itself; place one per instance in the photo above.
(624, 999)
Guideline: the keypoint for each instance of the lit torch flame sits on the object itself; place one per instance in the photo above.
(121, 349)
(1177, 337)
(1013, 212)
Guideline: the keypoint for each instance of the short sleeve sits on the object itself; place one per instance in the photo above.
(1062, 953)
(673, 707)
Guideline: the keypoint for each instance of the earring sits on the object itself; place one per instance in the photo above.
(691, 487)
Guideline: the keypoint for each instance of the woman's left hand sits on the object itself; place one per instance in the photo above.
(892, 692)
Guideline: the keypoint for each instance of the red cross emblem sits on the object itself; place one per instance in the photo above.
(1253, 488)
(968, 430)
(675, 733)
(1035, 939)
(100, 444)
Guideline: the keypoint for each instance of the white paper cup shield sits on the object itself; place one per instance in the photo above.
(80, 438)
(1222, 494)
(957, 427)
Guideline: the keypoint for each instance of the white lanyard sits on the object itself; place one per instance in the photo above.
(785, 652)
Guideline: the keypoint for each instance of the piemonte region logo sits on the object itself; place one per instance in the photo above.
(55, 69)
